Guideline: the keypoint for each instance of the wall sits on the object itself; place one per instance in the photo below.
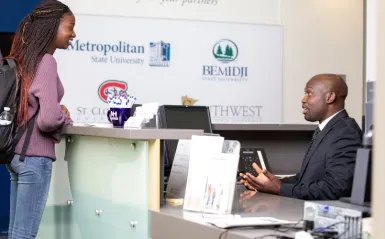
(320, 36)
(376, 9)
(11, 13)
(371, 38)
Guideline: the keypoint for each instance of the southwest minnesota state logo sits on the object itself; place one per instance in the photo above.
(225, 51)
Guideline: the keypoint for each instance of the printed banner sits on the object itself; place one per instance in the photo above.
(242, 11)
(236, 69)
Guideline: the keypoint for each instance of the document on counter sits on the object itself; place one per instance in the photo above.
(248, 222)
(176, 185)
(211, 176)
(205, 217)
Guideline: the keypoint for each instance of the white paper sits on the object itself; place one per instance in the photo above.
(176, 185)
(211, 176)
(206, 217)
(134, 122)
(247, 222)
(220, 183)
(201, 147)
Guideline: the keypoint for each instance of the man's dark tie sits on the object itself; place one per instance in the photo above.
(315, 134)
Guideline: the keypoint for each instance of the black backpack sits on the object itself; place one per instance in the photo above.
(10, 134)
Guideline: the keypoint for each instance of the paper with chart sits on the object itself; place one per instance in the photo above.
(211, 176)
(220, 182)
(200, 148)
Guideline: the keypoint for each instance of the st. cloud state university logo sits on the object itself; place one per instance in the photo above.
(111, 86)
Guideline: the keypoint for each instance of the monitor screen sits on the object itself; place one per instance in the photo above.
(182, 117)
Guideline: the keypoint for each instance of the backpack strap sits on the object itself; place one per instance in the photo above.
(20, 133)
(30, 126)
(11, 62)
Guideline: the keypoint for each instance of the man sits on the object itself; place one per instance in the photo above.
(328, 167)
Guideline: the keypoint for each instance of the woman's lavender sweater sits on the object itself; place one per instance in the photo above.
(47, 91)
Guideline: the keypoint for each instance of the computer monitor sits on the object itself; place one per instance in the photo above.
(186, 117)
(182, 117)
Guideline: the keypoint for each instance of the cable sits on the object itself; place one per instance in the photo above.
(324, 235)
(324, 232)
(222, 233)
(273, 235)
(277, 228)
(317, 233)
(346, 230)
(263, 237)
(328, 227)
(286, 228)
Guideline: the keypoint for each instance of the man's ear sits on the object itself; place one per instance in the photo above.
(330, 97)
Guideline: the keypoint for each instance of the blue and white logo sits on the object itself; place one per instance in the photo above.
(159, 54)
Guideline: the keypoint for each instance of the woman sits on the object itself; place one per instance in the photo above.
(48, 27)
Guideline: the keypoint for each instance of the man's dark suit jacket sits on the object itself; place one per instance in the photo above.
(328, 168)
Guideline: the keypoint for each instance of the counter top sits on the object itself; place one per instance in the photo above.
(138, 134)
(265, 127)
(174, 222)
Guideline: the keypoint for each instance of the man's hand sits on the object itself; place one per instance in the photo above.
(246, 183)
(65, 110)
(264, 182)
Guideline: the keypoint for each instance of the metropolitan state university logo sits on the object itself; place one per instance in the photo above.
(111, 86)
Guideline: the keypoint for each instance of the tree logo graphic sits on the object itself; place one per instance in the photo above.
(225, 51)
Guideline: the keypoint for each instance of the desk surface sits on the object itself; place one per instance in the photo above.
(265, 127)
(182, 224)
(138, 134)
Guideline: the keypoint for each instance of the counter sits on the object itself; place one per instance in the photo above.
(172, 222)
(264, 127)
(104, 182)
(134, 134)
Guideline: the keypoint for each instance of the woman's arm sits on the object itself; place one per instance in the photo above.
(45, 87)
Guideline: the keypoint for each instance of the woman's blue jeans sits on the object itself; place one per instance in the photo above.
(30, 182)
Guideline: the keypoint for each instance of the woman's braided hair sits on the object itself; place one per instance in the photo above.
(33, 38)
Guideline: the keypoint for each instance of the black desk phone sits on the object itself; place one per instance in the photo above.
(247, 157)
